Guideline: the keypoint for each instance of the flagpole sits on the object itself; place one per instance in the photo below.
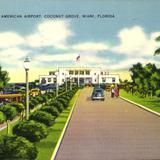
(78, 62)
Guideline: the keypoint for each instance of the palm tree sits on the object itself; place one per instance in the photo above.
(157, 51)
(3, 78)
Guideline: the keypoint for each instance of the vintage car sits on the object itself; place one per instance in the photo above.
(35, 92)
(98, 94)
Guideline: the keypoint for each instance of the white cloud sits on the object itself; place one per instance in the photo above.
(10, 39)
(13, 56)
(51, 33)
(135, 42)
(55, 57)
(85, 59)
(90, 46)
(93, 59)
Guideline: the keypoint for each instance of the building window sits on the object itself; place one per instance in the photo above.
(101, 73)
(62, 73)
(94, 73)
(51, 73)
(87, 72)
(76, 72)
(43, 81)
(55, 80)
(113, 80)
(95, 80)
(103, 80)
(81, 72)
(49, 79)
(70, 72)
(62, 80)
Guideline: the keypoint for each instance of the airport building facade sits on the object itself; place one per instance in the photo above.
(80, 76)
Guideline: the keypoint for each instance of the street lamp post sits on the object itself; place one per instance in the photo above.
(98, 79)
(66, 81)
(26, 67)
(56, 83)
(70, 82)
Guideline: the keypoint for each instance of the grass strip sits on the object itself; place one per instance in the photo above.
(46, 146)
(152, 103)
(4, 131)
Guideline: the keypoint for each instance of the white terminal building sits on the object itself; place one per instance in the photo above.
(80, 76)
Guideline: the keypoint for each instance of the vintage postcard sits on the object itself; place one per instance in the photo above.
(79, 80)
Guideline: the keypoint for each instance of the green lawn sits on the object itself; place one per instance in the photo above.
(46, 146)
(151, 103)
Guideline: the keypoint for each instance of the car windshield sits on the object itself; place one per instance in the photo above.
(98, 92)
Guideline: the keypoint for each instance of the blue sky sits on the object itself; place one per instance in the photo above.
(112, 43)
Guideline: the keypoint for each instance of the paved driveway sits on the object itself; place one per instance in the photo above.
(110, 130)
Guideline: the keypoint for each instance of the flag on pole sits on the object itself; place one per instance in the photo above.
(78, 58)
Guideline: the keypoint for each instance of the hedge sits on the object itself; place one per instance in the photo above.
(53, 111)
(16, 148)
(63, 101)
(58, 105)
(43, 117)
(31, 130)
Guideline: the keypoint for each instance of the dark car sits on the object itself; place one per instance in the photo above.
(9, 90)
(98, 94)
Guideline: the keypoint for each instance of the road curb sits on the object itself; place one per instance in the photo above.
(54, 154)
(141, 106)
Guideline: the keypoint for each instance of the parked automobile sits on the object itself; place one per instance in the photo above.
(98, 94)
(9, 90)
(35, 92)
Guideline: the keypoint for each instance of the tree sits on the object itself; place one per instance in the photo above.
(63, 101)
(13, 148)
(2, 117)
(58, 105)
(3, 78)
(145, 80)
(137, 75)
(155, 79)
(20, 108)
(52, 110)
(157, 51)
(10, 113)
(31, 130)
(149, 69)
(43, 117)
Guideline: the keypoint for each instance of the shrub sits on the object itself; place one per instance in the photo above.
(49, 103)
(70, 94)
(53, 111)
(158, 93)
(9, 111)
(43, 117)
(66, 97)
(63, 101)
(50, 95)
(33, 103)
(2, 117)
(40, 99)
(31, 130)
(12, 148)
(19, 106)
(58, 105)
(61, 90)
